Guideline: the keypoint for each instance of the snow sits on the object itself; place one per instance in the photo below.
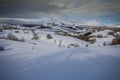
(43, 59)
(103, 33)
(100, 41)
(46, 61)
(66, 40)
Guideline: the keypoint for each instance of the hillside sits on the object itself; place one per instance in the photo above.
(46, 61)
(57, 53)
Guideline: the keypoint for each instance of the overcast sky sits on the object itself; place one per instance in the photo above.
(82, 11)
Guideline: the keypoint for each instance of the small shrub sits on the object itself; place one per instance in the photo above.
(16, 31)
(35, 36)
(82, 37)
(1, 30)
(60, 44)
(55, 41)
(86, 45)
(99, 36)
(49, 36)
(73, 45)
(92, 41)
(87, 34)
(12, 37)
(1, 49)
(104, 44)
(26, 32)
(116, 41)
(22, 39)
(68, 46)
(34, 43)
(111, 33)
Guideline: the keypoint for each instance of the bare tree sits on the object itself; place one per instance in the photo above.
(35, 36)
(12, 37)
(60, 44)
(22, 39)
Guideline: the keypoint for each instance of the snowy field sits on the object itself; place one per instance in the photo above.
(46, 61)
(42, 54)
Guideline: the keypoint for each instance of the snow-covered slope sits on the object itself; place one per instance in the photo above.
(59, 57)
(45, 61)
(102, 33)
(27, 35)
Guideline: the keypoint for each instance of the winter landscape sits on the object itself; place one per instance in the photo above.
(59, 40)
(59, 52)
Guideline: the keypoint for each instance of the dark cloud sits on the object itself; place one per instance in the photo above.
(16, 8)
(9, 7)
(59, 8)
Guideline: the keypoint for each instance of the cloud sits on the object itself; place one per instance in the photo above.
(23, 20)
(20, 8)
(59, 9)
(95, 8)
(14, 8)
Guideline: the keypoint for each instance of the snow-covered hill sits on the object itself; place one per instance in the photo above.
(58, 53)
(66, 34)
(46, 61)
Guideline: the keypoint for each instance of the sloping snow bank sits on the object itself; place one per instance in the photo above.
(47, 62)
